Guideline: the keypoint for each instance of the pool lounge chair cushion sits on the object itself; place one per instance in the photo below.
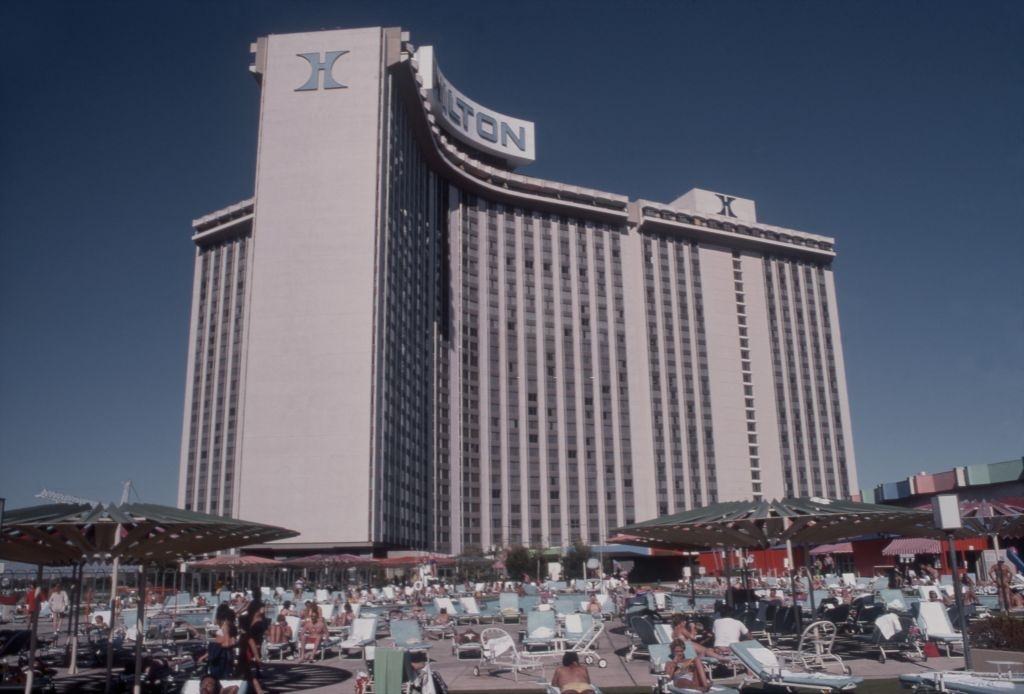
(964, 683)
(763, 663)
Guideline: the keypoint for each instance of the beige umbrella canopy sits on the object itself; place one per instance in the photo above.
(234, 561)
(56, 534)
(60, 534)
(764, 524)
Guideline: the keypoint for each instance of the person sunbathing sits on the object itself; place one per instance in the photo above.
(686, 673)
(344, 618)
(314, 629)
(571, 677)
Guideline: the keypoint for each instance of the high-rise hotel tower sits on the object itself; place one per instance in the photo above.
(400, 342)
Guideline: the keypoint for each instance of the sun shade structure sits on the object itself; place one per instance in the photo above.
(320, 561)
(839, 548)
(992, 517)
(399, 562)
(57, 534)
(234, 561)
(912, 545)
(763, 524)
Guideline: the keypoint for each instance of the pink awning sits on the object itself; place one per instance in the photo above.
(840, 548)
(912, 545)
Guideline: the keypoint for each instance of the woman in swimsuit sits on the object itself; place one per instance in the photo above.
(686, 673)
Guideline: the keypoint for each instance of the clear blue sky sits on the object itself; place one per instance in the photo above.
(894, 127)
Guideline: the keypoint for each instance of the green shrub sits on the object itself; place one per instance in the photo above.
(1002, 632)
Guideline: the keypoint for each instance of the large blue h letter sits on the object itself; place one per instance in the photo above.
(326, 66)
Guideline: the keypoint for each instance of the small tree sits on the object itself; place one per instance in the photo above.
(519, 562)
(472, 563)
(575, 560)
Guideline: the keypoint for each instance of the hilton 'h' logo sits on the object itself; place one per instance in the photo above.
(320, 66)
(727, 201)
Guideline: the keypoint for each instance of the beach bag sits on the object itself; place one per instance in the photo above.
(930, 649)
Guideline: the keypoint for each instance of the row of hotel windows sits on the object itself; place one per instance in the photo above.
(801, 398)
(507, 284)
(213, 418)
(409, 257)
(674, 294)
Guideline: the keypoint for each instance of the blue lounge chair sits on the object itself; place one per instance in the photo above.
(508, 607)
(961, 683)
(766, 668)
(541, 630)
(407, 634)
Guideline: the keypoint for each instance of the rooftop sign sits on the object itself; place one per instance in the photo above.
(479, 127)
(709, 202)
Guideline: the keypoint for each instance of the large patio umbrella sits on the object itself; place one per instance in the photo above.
(235, 561)
(57, 534)
(836, 548)
(63, 534)
(765, 524)
(912, 545)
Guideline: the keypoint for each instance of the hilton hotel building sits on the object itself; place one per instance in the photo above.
(401, 342)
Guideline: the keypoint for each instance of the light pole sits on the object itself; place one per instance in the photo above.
(946, 513)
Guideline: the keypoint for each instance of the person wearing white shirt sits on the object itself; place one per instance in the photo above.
(729, 631)
(58, 608)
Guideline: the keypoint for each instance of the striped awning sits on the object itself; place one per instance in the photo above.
(912, 545)
(840, 548)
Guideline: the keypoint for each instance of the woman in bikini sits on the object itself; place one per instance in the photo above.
(686, 673)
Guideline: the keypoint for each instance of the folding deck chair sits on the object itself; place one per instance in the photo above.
(765, 667)
(471, 610)
(498, 651)
(580, 634)
(642, 637)
(541, 630)
(893, 599)
(407, 634)
(933, 620)
(508, 606)
(192, 686)
(815, 647)
(364, 633)
(893, 635)
(961, 683)
(661, 653)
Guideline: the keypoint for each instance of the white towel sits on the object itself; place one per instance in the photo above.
(888, 625)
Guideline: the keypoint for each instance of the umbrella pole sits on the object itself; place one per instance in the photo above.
(792, 570)
(810, 580)
(727, 562)
(958, 595)
(113, 616)
(75, 613)
(999, 573)
(34, 638)
(140, 631)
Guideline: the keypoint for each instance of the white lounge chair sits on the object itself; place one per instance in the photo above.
(933, 620)
(766, 668)
(961, 683)
(498, 650)
(364, 633)
(192, 686)
(541, 630)
(815, 647)
(580, 634)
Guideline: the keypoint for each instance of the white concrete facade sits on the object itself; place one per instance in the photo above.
(422, 349)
